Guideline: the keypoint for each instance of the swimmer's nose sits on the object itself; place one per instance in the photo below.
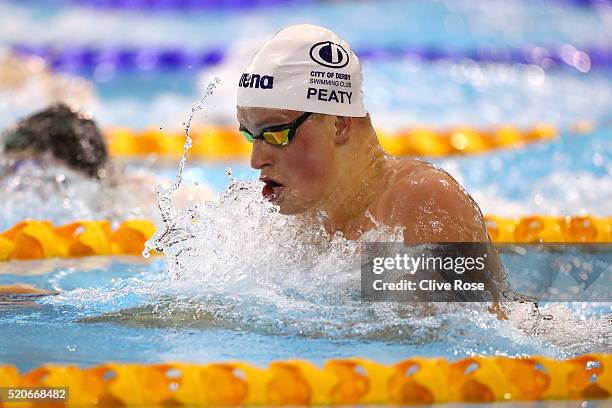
(261, 155)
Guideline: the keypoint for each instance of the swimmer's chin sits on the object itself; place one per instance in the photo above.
(283, 199)
(284, 207)
(287, 207)
(287, 210)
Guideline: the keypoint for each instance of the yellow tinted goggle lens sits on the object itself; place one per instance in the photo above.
(280, 137)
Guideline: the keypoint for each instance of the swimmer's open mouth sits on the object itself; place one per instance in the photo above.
(271, 189)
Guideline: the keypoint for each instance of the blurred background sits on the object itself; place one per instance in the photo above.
(515, 94)
(512, 97)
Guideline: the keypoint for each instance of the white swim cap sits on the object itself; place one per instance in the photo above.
(305, 68)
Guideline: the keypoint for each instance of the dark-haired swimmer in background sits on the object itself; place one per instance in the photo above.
(300, 101)
(58, 133)
(62, 152)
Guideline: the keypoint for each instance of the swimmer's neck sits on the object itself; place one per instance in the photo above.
(357, 185)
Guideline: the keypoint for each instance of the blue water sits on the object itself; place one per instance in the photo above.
(128, 309)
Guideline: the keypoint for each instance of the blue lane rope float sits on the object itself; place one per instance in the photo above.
(119, 58)
(88, 59)
(176, 5)
(179, 5)
(589, 3)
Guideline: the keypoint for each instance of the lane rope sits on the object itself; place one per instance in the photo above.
(186, 5)
(238, 5)
(87, 59)
(352, 381)
(41, 239)
(225, 143)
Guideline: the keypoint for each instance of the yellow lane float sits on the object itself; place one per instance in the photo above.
(40, 239)
(223, 143)
(542, 228)
(352, 381)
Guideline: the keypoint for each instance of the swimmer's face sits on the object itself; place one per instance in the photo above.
(297, 176)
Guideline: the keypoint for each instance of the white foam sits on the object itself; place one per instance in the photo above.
(44, 189)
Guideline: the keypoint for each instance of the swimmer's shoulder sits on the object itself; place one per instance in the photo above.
(416, 176)
(413, 178)
(432, 204)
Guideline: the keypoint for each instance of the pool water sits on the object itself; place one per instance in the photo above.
(246, 283)
(121, 310)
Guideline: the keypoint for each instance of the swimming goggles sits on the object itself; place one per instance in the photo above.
(279, 135)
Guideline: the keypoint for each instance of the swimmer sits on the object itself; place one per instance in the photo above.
(69, 148)
(60, 134)
(300, 102)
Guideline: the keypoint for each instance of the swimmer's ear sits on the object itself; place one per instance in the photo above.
(343, 125)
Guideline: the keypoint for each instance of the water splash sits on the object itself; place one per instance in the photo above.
(230, 175)
(164, 196)
(239, 264)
